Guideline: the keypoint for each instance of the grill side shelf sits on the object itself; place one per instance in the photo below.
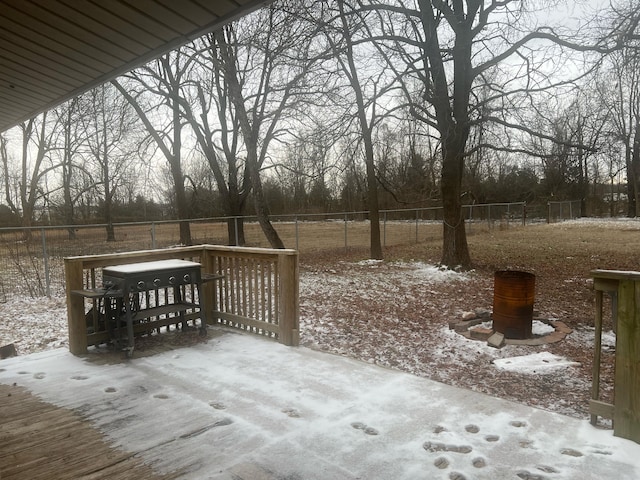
(98, 293)
(163, 310)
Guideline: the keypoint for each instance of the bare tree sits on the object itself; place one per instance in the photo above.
(622, 89)
(24, 189)
(344, 34)
(109, 125)
(267, 60)
(212, 118)
(164, 79)
(453, 49)
(305, 170)
(71, 140)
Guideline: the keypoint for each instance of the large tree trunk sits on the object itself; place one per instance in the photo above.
(235, 223)
(583, 181)
(108, 193)
(111, 235)
(635, 169)
(374, 220)
(631, 191)
(176, 170)
(181, 202)
(234, 206)
(452, 117)
(259, 201)
(372, 200)
(235, 231)
(455, 251)
(108, 216)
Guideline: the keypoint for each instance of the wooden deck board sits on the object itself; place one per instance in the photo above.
(40, 440)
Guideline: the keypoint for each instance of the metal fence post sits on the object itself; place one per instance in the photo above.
(345, 233)
(384, 230)
(235, 226)
(45, 257)
(417, 211)
(153, 235)
(297, 236)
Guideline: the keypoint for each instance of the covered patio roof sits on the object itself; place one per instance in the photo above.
(53, 50)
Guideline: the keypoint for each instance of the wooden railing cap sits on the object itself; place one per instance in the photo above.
(616, 274)
(187, 250)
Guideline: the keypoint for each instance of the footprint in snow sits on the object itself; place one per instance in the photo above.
(602, 452)
(291, 412)
(546, 469)
(525, 475)
(441, 463)
(457, 476)
(479, 462)
(441, 447)
(571, 452)
(367, 430)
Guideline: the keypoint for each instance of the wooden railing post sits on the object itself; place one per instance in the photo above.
(597, 354)
(288, 301)
(626, 417)
(73, 270)
(208, 289)
(625, 411)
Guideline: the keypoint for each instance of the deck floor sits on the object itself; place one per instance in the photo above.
(41, 441)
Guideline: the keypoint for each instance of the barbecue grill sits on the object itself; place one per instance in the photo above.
(130, 282)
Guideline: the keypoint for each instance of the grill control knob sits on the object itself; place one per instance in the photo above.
(186, 278)
(157, 282)
(172, 280)
(141, 285)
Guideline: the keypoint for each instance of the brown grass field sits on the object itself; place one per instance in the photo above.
(562, 256)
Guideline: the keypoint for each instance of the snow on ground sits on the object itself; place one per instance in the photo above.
(34, 324)
(241, 404)
(621, 223)
(541, 362)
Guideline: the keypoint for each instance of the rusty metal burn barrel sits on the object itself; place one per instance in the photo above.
(513, 296)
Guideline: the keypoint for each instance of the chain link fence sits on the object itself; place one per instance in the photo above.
(32, 259)
(560, 211)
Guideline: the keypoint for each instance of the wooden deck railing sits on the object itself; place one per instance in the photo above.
(624, 289)
(257, 290)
